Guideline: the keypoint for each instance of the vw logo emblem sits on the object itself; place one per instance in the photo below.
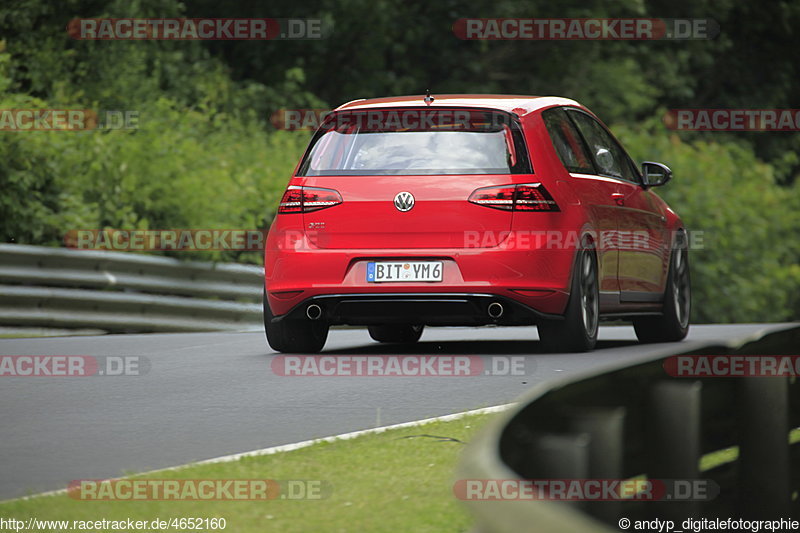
(404, 201)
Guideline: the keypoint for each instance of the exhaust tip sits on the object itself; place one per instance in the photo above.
(495, 310)
(313, 312)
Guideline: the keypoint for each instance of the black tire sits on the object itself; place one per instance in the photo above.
(673, 324)
(294, 336)
(578, 331)
(401, 333)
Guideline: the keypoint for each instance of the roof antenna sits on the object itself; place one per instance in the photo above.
(428, 98)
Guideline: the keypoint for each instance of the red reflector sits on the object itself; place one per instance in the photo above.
(285, 295)
(298, 199)
(533, 292)
(521, 197)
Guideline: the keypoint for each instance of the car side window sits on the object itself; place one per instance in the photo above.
(567, 141)
(609, 157)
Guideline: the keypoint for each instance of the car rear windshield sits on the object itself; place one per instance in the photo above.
(416, 142)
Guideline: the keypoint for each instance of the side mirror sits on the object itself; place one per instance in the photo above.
(655, 174)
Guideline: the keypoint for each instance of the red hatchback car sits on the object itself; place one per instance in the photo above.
(468, 210)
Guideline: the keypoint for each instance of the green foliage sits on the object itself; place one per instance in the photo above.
(745, 265)
(201, 157)
(180, 169)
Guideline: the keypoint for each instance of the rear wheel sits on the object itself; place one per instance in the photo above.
(578, 331)
(403, 333)
(673, 324)
(293, 335)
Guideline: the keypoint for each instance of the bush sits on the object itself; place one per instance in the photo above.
(181, 169)
(203, 155)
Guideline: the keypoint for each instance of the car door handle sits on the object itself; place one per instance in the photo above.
(618, 197)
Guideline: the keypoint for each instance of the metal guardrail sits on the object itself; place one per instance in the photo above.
(124, 292)
(637, 422)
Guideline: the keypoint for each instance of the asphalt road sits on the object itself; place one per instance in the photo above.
(211, 394)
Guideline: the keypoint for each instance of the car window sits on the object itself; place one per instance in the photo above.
(608, 156)
(416, 142)
(567, 141)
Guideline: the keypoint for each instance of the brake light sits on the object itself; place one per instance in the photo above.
(521, 197)
(534, 197)
(496, 197)
(299, 199)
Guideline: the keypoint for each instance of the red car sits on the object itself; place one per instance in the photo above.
(468, 210)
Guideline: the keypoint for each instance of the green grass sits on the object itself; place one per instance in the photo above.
(728, 455)
(399, 480)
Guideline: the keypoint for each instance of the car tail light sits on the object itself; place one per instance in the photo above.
(521, 197)
(299, 199)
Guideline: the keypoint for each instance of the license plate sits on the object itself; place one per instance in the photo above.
(380, 271)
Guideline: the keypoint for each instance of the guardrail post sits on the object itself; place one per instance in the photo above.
(763, 422)
(674, 440)
(605, 427)
(562, 456)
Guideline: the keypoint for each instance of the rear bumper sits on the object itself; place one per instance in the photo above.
(526, 277)
(432, 309)
(538, 279)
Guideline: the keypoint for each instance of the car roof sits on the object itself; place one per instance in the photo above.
(519, 104)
